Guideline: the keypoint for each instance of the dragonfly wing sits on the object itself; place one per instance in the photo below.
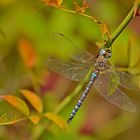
(72, 70)
(107, 86)
(71, 49)
(128, 81)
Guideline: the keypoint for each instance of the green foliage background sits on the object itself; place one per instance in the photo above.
(97, 119)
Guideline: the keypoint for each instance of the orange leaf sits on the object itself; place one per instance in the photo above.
(33, 99)
(56, 119)
(27, 52)
(81, 9)
(55, 3)
(35, 119)
(105, 31)
(17, 103)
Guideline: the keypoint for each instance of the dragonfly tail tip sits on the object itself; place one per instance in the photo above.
(69, 121)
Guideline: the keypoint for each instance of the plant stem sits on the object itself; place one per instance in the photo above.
(122, 26)
(68, 99)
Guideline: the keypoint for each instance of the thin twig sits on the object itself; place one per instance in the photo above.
(82, 14)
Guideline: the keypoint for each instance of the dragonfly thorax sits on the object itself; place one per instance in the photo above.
(106, 53)
(101, 63)
(102, 60)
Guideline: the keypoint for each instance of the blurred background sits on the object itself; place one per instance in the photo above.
(25, 43)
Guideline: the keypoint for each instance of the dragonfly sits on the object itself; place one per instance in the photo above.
(105, 78)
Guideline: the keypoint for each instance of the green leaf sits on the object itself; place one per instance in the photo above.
(6, 120)
(33, 99)
(133, 52)
(17, 103)
(56, 119)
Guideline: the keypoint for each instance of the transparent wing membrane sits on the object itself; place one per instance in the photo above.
(107, 86)
(72, 70)
(128, 81)
(71, 49)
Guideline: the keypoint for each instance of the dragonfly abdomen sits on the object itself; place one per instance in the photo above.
(84, 95)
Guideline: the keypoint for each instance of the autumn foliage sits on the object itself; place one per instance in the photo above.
(35, 99)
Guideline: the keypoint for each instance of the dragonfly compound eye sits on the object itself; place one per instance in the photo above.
(102, 52)
(108, 53)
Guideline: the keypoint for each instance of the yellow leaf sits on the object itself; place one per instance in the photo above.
(5, 120)
(35, 119)
(27, 52)
(55, 3)
(56, 119)
(17, 103)
(59, 2)
(33, 99)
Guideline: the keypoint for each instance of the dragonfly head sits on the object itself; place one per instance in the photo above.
(106, 53)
